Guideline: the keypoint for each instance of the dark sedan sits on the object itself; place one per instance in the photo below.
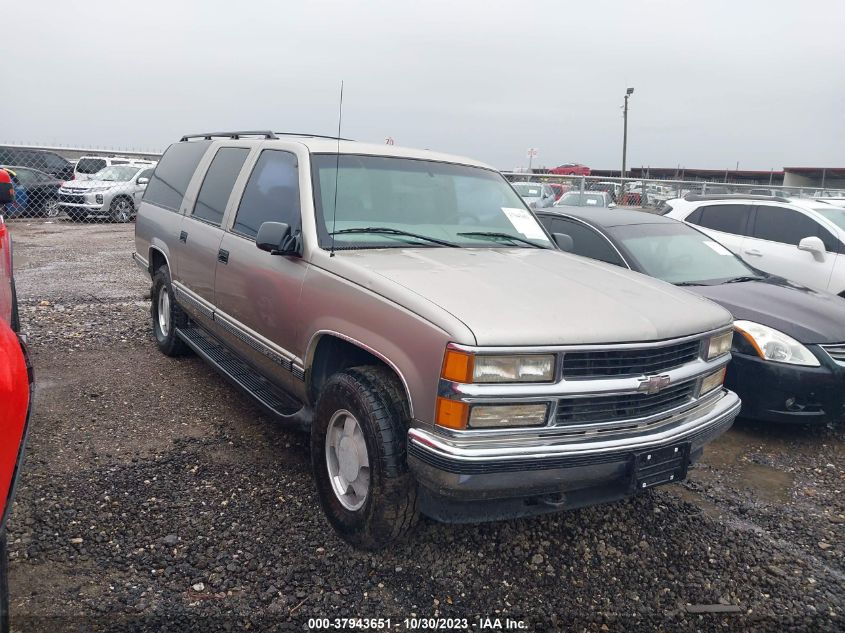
(38, 192)
(789, 342)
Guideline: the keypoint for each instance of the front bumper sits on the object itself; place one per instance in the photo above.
(791, 394)
(464, 480)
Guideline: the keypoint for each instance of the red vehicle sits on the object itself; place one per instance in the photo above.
(571, 169)
(15, 403)
(559, 189)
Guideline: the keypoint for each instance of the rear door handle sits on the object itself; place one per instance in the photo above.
(754, 252)
(223, 256)
(183, 237)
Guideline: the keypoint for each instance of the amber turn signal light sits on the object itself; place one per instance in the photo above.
(457, 366)
(451, 414)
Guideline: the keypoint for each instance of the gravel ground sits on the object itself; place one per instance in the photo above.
(155, 497)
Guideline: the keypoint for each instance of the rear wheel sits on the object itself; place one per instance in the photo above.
(121, 209)
(359, 460)
(167, 316)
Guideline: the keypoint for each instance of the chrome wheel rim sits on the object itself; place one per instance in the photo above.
(122, 211)
(52, 209)
(164, 311)
(347, 460)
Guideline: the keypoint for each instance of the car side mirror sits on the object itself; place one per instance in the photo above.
(813, 245)
(564, 242)
(611, 206)
(143, 180)
(276, 238)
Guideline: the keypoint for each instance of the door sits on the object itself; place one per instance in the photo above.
(727, 223)
(772, 246)
(200, 232)
(256, 292)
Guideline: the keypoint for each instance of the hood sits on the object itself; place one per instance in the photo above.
(806, 315)
(525, 296)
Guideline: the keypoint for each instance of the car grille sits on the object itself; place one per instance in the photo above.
(71, 198)
(604, 409)
(836, 352)
(628, 362)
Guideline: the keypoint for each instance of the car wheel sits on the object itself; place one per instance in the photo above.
(359, 459)
(50, 208)
(121, 210)
(167, 315)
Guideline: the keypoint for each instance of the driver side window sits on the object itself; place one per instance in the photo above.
(271, 194)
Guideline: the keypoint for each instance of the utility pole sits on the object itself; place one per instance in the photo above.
(628, 93)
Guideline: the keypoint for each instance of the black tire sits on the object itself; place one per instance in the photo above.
(168, 342)
(375, 397)
(121, 209)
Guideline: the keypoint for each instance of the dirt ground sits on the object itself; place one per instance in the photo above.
(155, 497)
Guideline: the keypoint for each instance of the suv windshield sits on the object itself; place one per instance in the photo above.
(834, 214)
(679, 254)
(395, 202)
(119, 173)
(528, 191)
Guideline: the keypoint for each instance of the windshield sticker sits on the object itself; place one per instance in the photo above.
(591, 201)
(525, 223)
(721, 250)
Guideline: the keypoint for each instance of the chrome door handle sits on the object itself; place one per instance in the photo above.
(754, 253)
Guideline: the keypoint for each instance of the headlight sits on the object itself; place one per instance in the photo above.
(719, 345)
(479, 368)
(504, 415)
(770, 344)
(712, 381)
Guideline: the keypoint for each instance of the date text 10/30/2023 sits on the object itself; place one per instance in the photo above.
(417, 624)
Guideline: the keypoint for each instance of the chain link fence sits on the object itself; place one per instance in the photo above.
(646, 194)
(92, 187)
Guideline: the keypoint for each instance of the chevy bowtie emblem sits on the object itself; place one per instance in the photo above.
(654, 384)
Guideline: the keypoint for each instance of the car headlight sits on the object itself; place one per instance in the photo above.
(719, 344)
(712, 381)
(507, 415)
(482, 368)
(771, 344)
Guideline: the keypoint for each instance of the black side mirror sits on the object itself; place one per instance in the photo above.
(563, 241)
(276, 238)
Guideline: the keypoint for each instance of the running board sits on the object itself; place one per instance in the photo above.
(274, 400)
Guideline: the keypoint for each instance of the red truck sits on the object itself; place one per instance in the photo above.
(16, 382)
(571, 169)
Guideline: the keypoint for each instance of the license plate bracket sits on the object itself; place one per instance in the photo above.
(664, 465)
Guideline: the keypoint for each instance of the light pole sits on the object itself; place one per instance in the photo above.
(628, 93)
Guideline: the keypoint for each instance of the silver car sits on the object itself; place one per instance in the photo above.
(407, 310)
(113, 192)
(537, 195)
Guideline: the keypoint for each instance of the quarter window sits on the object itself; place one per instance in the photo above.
(218, 182)
(727, 218)
(271, 194)
(787, 226)
(173, 174)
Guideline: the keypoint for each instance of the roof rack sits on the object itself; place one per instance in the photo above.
(265, 133)
(695, 197)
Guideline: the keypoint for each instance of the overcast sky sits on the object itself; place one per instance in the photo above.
(759, 82)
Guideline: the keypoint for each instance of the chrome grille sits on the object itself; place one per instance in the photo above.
(628, 362)
(622, 408)
(836, 352)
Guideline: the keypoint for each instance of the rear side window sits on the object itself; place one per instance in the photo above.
(54, 162)
(218, 182)
(727, 218)
(271, 194)
(173, 174)
(788, 226)
(586, 241)
(90, 165)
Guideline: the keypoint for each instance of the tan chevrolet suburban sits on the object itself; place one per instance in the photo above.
(407, 310)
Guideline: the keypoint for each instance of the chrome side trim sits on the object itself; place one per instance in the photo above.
(251, 341)
(184, 295)
(586, 347)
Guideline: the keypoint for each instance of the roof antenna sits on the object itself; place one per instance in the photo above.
(337, 167)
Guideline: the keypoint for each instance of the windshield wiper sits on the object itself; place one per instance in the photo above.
(507, 236)
(737, 280)
(688, 283)
(384, 230)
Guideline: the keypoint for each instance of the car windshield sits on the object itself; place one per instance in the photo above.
(117, 173)
(835, 215)
(528, 191)
(577, 199)
(679, 254)
(387, 202)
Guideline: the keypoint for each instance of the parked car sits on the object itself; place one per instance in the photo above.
(571, 169)
(87, 166)
(789, 347)
(36, 193)
(537, 195)
(443, 355)
(114, 192)
(559, 189)
(48, 162)
(586, 199)
(16, 389)
(613, 188)
(835, 197)
(800, 239)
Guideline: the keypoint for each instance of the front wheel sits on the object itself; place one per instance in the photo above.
(50, 208)
(166, 315)
(121, 210)
(358, 456)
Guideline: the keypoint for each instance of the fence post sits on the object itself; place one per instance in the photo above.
(704, 188)
(582, 187)
(643, 194)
